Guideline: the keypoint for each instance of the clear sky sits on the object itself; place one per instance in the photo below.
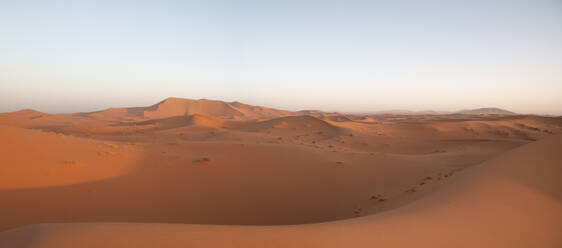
(353, 56)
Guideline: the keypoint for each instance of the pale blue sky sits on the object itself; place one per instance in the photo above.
(353, 56)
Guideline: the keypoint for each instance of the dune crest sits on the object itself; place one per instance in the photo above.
(236, 111)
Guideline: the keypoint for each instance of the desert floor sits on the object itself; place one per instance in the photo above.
(205, 173)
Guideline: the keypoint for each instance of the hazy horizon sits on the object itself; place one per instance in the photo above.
(345, 56)
(383, 111)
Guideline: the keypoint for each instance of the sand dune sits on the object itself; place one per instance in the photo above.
(173, 107)
(291, 123)
(215, 174)
(32, 158)
(178, 107)
(179, 121)
(504, 202)
(25, 113)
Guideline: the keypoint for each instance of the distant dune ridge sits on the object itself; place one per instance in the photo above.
(208, 173)
(409, 112)
(171, 107)
(174, 106)
(235, 110)
(478, 111)
(486, 111)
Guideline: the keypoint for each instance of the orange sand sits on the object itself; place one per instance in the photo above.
(214, 174)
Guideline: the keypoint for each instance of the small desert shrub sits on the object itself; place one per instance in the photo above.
(111, 145)
(202, 160)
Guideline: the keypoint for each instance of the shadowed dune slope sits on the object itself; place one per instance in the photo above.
(513, 200)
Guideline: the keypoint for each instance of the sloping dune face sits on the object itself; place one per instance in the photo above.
(297, 128)
(180, 107)
(257, 112)
(513, 200)
(292, 123)
(31, 159)
(177, 122)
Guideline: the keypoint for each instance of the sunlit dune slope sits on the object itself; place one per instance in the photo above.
(32, 158)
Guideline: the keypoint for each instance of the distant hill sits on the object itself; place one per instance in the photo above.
(174, 107)
(479, 111)
(485, 111)
(25, 113)
(409, 112)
